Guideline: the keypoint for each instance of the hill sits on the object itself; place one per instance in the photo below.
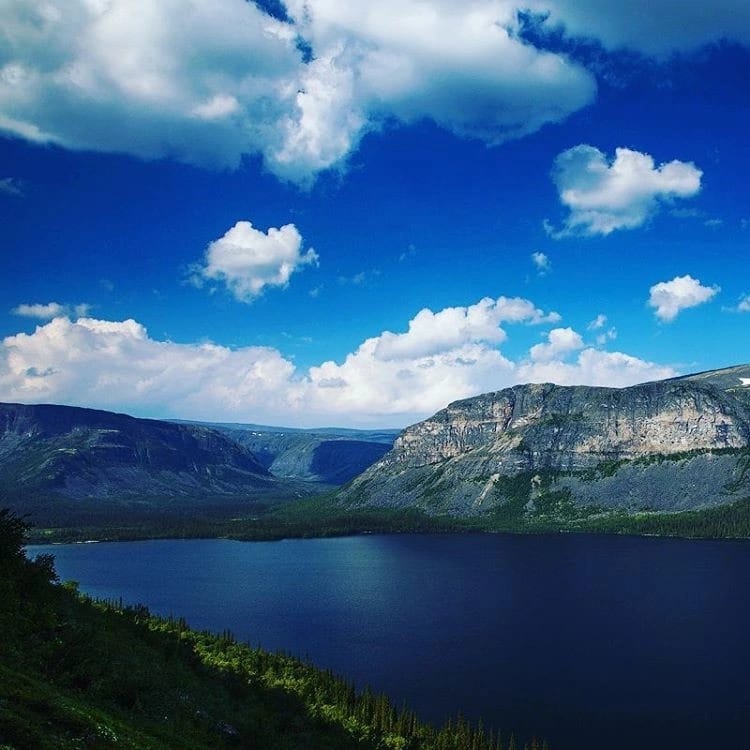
(77, 673)
(548, 454)
(63, 463)
(331, 456)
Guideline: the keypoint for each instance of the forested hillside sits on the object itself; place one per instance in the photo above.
(78, 673)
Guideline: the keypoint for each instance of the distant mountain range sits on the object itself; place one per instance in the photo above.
(330, 455)
(531, 456)
(551, 452)
(66, 464)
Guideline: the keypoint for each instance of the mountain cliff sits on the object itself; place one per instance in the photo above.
(61, 459)
(543, 449)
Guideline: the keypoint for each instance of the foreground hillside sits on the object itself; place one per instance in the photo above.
(76, 673)
(547, 453)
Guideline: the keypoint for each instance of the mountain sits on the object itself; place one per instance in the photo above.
(561, 452)
(331, 456)
(67, 461)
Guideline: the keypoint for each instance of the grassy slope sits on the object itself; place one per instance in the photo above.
(76, 673)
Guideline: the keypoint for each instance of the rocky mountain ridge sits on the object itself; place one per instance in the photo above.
(586, 447)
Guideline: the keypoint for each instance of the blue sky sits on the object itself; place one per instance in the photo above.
(342, 215)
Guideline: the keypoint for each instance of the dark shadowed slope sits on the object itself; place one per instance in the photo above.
(61, 459)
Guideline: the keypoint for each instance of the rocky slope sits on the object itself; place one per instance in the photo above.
(329, 456)
(541, 448)
(60, 459)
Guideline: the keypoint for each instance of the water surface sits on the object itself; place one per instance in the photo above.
(597, 643)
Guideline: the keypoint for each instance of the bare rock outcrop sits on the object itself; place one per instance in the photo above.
(461, 459)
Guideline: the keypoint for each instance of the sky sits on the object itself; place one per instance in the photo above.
(323, 213)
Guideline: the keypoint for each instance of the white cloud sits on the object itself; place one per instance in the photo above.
(51, 310)
(214, 80)
(390, 379)
(462, 67)
(541, 262)
(653, 27)
(560, 343)
(594, 367)
(597, 324)
(744, 304)
(116, 365)
(669, 298)
(603, 197)
(248, 260)
(449, 329)
(202, 82)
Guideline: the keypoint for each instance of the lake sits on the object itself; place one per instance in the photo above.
(595, 642)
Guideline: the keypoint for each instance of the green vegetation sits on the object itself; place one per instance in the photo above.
(723, 522)
(528, 502)
(318, 517)
(78, 673)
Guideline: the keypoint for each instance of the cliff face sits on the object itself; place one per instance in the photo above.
(574, 439)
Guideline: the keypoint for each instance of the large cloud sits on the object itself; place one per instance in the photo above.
(116, 365)
(623, 194)
(390, 379)
(209, 81)
(201, 81)
(435, 333)
(460, 65)
(247, 259)
(669, 298)
(653, 27)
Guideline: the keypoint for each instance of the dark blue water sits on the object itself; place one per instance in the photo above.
(597, 643)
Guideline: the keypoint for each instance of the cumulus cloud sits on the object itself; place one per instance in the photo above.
(669, 298)
(744, 304)
(389, 379)
(594, 367)
(116, 365)
(560, 343)
(453, 327)
(50, 310)
(247, 260)
(653, 27)
(541, 262)
(604, 196)
(215, 80)
(464, 68)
